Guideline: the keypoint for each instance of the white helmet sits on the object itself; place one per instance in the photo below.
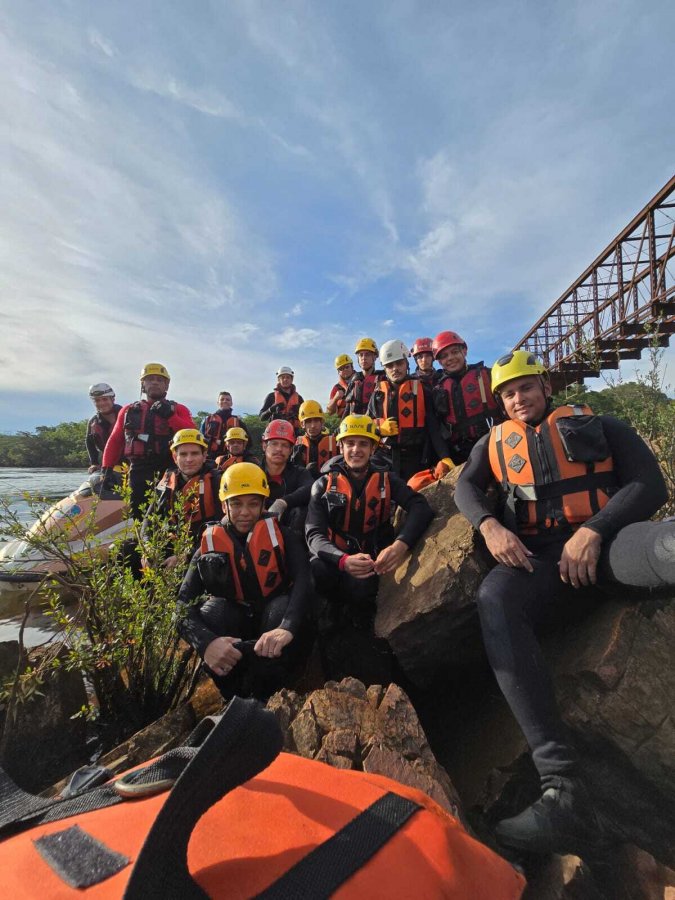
(285, 370)
(392, 351)
(101, 390)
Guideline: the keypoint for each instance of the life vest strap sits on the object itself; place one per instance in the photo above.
(590, 481)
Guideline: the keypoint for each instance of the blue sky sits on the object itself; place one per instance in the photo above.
(230, 187)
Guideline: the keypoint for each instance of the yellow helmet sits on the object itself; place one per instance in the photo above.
(236, 434)
(310, 409)
(515, 365)
(154, 369)
(366, 344)
(343, 360)
(243, 478)
(357, 426)
(189, 436)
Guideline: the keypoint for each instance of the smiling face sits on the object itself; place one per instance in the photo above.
(104, 405)
(525, 399)
(224, 400)
(189, 458)
(244, 511)
(357, 452)
(453, 358)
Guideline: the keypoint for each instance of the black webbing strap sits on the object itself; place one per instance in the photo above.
(246, 740)
(321, 872)
(588, 482)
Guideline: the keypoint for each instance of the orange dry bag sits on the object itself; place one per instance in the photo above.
(243, 821)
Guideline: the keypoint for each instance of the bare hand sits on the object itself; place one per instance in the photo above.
(505, 546)
(389, 559)
(271, 643)
(579, 560)
(170, 562)
(360, 565)
(221, 656)
(92, 469)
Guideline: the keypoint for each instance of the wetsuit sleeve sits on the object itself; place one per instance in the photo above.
(418, 512)
(265, 413)
(302, 489)
(92, 448)
(114, 448)
(191, 626)
(432, 425)
(316, 526)
(298, 571)
(182, 418)
(474, 479)
(643, 489)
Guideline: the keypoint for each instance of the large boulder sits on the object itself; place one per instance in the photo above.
(426, 609)
(367, 729)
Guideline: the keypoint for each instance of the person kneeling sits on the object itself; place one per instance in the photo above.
(243, 600)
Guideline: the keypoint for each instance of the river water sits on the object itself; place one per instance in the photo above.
(50, 485)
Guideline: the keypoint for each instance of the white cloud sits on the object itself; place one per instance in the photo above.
(295, 338)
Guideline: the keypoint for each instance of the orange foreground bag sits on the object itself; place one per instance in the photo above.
(242, 821)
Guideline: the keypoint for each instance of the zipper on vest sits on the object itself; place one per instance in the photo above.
(542, 456)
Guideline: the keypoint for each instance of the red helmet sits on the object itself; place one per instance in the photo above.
(279, 430)
(446, 339)
(422, 345)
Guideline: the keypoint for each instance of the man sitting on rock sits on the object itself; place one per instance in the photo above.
(244, 598)
(352, 542)
(571, 485)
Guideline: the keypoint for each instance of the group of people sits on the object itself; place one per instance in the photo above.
(293, 544)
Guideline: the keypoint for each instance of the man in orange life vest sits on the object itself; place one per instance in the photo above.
(100, 425)
(193, 477)
(363, 383)
(422, 351)
(215, 426)
(290, 484)
(462, 397)
(236, 449)
(402, 409)
(316, 446)
(143, 431)
(336, 405)
(284, 401)
(575, 488)
(248, 582)
(352, 542)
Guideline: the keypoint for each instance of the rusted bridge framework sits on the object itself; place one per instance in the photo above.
(623, 303)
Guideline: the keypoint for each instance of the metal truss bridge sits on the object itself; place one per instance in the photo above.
(622, 304)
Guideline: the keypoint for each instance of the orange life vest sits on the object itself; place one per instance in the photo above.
(315, 451)
(255, 825)
(145, 434)
(404, 402)
(341, 403)
(200, 493)
(263, 556)
(469, 404)
(226, 460)
(290, 405)
(545, 488)
(215, 428)
(357, 517)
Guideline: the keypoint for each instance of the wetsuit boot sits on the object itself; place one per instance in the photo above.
(563, 820)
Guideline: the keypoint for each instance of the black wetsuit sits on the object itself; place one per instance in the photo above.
(516, 605)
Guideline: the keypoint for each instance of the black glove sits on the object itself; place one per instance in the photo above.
(163, 408)
(277, 408)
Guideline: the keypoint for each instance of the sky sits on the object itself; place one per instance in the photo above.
(227, 187)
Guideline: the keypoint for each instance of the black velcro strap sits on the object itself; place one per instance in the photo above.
(78, 858)
(589, 482)
(321, 872)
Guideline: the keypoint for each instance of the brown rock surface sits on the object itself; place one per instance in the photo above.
(426, 609)
(371, 730)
